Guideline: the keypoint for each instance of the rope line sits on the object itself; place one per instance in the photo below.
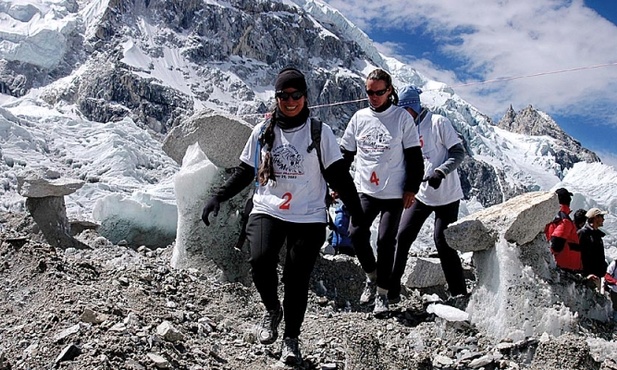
(536, 74)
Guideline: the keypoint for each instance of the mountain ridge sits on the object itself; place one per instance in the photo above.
(157, 63)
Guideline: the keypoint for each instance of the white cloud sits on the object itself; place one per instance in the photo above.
(505, 39)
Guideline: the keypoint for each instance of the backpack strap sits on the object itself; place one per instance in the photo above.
(258, 152)
(316, 140)
(563, 216)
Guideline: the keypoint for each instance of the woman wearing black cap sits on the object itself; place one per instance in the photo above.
(289, 205)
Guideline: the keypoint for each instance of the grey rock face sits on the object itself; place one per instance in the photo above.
(519, 220)
(271, 35)
(564, 353)
(424, 272)
(480, 180)
(45, 202)
(222, 138)
(37, 187)
(113, 92)
(49, 213)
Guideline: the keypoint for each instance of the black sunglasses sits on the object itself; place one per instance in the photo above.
(378, 92)
(296, 95)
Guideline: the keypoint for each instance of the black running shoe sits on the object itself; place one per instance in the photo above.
(268, 331)
(290, 353)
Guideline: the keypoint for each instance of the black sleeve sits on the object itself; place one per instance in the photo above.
(456, 154)
(347, 157)
(557, 243)
(414, 168)
(338, 177)
(241, 177)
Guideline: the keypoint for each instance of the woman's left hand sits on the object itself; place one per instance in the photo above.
(408, 199)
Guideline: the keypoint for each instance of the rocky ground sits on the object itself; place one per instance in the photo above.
(116, 308)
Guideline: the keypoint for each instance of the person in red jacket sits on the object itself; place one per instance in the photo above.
(562, 236)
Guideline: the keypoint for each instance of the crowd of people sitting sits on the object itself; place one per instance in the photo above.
(577, 245)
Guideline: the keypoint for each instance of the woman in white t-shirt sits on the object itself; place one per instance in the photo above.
(288, 205)
(441, 193)
(389, 167)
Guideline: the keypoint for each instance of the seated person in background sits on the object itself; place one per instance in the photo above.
(562, 236)
(592, 246)
(611, 281)
(580, 217)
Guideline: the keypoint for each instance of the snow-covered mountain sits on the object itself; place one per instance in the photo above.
(88, 90)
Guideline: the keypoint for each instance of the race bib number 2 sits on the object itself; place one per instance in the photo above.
(286, 201)
(374, 179)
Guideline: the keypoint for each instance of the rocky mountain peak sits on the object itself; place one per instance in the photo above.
(532, 122)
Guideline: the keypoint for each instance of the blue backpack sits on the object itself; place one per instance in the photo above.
(340, 232)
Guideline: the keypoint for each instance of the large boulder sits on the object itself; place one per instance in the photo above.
(221, 138)
(520, 293)
(518, 220)
(33, 186)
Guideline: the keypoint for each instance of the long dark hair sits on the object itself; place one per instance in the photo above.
(266, 140)
(380, 74)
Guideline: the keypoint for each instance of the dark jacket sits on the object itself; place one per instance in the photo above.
(592, 251)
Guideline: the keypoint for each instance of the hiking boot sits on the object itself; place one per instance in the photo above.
(268, 331)
(290, 353)
(369, 292)
(394, 298)
(460, 301)
(394, 294)
(381, 305)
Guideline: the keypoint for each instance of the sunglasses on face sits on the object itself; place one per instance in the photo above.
(296, 95)
(378, 92)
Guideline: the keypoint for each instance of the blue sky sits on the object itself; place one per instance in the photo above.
(527, 44)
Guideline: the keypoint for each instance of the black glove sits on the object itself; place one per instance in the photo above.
(213, 205)
(434, 180)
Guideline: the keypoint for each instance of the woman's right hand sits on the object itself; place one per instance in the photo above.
(212, 206)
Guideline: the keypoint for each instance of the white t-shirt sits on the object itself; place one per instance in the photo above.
(611, 270)
(298, 195)
(437, 135)
(379, 139)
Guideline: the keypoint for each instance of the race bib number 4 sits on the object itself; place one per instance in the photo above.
(374, 179)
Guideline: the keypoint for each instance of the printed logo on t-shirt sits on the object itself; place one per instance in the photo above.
(288, 162)
(375, 139)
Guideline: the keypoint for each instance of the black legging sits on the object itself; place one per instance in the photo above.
(390, 210)
(613, 296)
(266, 236)
(411, 223)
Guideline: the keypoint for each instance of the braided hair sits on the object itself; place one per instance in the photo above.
(380, 74)
(266, 140)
